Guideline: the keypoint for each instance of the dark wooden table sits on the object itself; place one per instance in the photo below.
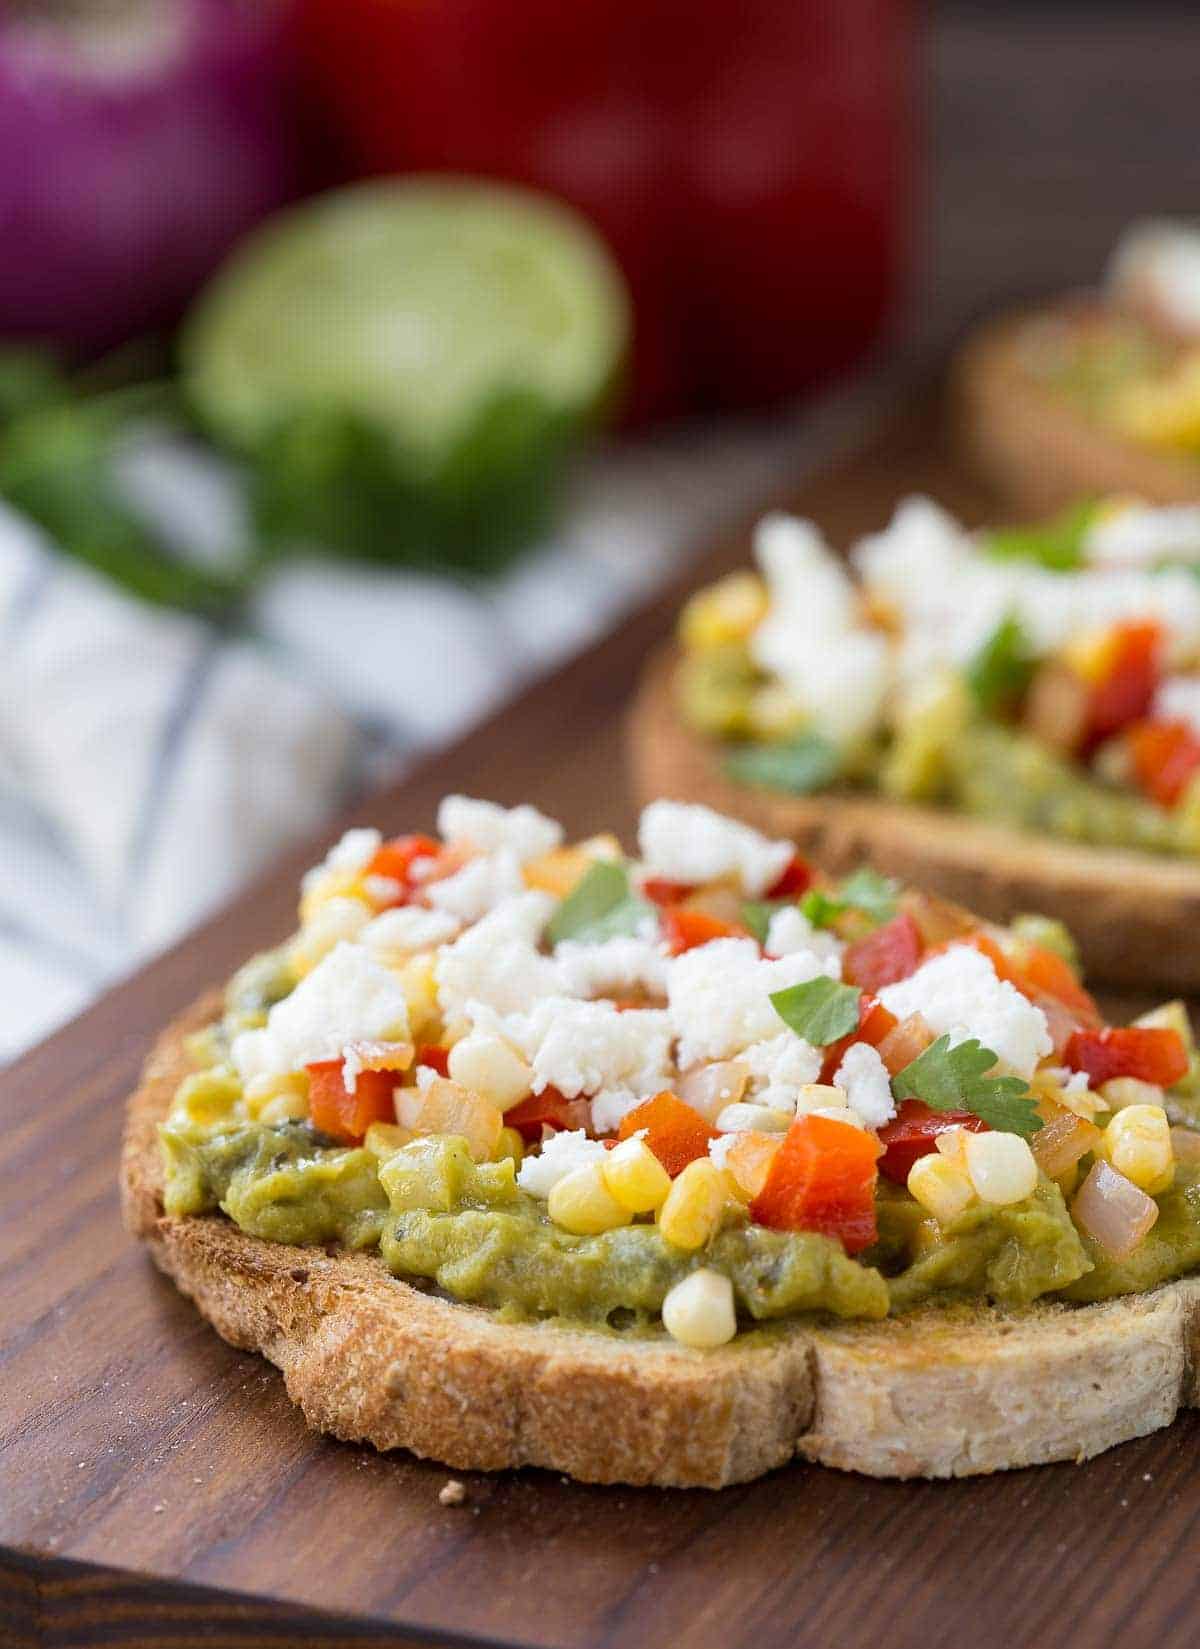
(157, 1488)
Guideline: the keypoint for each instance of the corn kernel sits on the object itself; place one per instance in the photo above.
(759, 1119)
(417, 980)
(940, 1186)
(635, 1177)
(209, 1097)
(1091, 653)
(699, 1311)
(774, 713)
(692, 1212)
(336, 919)
(330, 884)
(486, 1064)
(816, 1096)
(1124, 1091)
(723, 614)
(582, 1203)
(839, 1113)
(1001, 1167)
(1138, 1144)
(511, 1145)
(263, 1091)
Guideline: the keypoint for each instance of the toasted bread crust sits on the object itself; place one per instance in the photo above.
(1136, 918)
(939, 1394)
(1034, 448)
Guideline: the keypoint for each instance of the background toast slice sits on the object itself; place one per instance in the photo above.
(1136, 918)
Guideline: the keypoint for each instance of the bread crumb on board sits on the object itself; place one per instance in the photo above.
(452, 1493)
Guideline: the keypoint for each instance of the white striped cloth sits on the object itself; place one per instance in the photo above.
(150, 764)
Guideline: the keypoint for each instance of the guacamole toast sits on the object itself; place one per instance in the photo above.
(1009, 716)
(669, 1170)
(1035, 447)
(1135, 919)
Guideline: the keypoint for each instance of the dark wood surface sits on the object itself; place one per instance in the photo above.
(157, 1488)
(133, 1439)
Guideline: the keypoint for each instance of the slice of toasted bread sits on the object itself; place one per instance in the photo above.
(1136, 918)
(1031, 445)
(371, 1358)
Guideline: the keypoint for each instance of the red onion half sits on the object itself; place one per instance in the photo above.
(138, 140)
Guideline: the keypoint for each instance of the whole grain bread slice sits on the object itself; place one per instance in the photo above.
(1031, 445)
(1136, 918)
(375, 1359)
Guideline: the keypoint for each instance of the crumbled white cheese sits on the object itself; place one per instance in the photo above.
(585, 1047)
(480, 886)
(811, 640)
(719, 996)
(614, 967)
(486, 827)
(408, 928)
(611, 1106)
(497, 962)
(720, 1147)
(561, 1154)
(383, 890)
(790, 930)
(682, 842)
(348, 997)
(867, 1085)
(1178, 699)
(960, 993)
(347, 857)
(1139, 534)
(779, 1067)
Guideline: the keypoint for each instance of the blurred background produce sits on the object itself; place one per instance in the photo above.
(350, 475)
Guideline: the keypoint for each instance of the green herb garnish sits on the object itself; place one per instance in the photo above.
(865, 890)
(600, 906)
(821, 1010)
(757, 914)
(1001, 670)
(799, 766)
(955, 1079)
(1056, 544)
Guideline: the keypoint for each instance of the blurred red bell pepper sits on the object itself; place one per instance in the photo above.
(748, 164)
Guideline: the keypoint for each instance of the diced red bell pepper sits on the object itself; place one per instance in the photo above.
(796, 879)
(1165, 755)
(346, 1115)
(549, 1109)
(914, 1134)
(661, 892)
(436, 1057)
(675, 1131)
(822, 1178)
(394, 861)
(685, 929)
(1150, 1054)
(1126, 690)
(889, 954)
(874, 1023)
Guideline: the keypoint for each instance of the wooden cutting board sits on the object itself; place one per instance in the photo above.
(157, 1488)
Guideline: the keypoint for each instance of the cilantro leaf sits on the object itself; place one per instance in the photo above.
(955, 1079)
(806, 763)
(1001, 669)
(865, 890)
(821, 1010)
(1056, 544)
(601, 905)
(757, 914)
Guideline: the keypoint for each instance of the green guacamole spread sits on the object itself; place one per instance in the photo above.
(951, 754)
(468, 1228)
